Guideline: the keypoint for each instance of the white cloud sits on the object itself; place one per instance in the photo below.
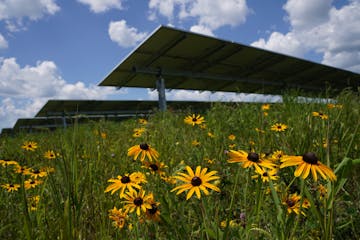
(202, 30)
(22, 8)
(14, 11)
(194, 95)
(125, 35)
(98, 6)
(24, 90)
(210, 14)
(316, 26)
(286, 44)
(3, 42)
(307, 13)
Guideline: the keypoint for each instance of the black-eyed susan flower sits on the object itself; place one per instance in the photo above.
(194, 120)
(292, 201)
(29, 146)
(50, 154)
(138, 177)
(251, 159)
(137, 201)
(22, 170)
(7, 162)
(277, 155)
(143, 121)
(33, 202)
(32, 183)
(35, 173)
(265, 107)
(195, 143)
(231, 137)
(196, 182)
(266, 174)
(153, 213)
(122, 183)
(155, 167)
(306, 163)
(138, 132)
(118, 216)
(145, 150)
(278, 127)
(322, 191)
(10, 187)
(320, 115)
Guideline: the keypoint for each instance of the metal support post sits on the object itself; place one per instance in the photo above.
(160, 85)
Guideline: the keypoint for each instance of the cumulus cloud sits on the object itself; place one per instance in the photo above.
(98, 6)
(194, 95)
(322, 28)
(24, 90)
(125, 35)
(13, 12)
(284, 43)
(307, 13)
(3, 42)
(210, 14)
(202, 30)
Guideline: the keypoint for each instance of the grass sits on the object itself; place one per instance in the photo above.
(70, 202)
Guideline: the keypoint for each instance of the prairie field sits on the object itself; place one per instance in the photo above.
(286, 170)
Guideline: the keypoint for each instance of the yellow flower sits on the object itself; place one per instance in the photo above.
(32, 183)
(6, 162)
(50, 154)
(231, 137)
(119, 217)
(122, 183)
(251, 159)
(194, 120)
(195, 143)
(155, 167)
(265, 107)
(278, 127)
(320, 115)
(153, 213)
(143, 121)
(137, 201)
(29, 146)
(145, 150)
(194, 182)
(292, 202)
(11, 187)
(267, 174)
(35, 173)
(306, 163)
(210, 134)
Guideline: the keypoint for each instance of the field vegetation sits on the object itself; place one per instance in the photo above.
(285, 170)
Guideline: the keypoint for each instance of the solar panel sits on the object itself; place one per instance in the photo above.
(187, 60)
(59, 108)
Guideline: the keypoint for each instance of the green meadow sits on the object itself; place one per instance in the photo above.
(285, 170)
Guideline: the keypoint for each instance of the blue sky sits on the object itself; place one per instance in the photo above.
(52, 49)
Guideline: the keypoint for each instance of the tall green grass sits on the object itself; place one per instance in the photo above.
(73, 204)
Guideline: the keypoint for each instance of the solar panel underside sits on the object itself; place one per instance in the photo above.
(193, 61)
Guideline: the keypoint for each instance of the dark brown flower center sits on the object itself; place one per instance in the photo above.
(265, 174)
(153, 209)
(254, 157)
(138, 201)
(125, 179)
(196, 181)
(154, 167)
(290, 203)
(11, 185)
(310, 158)
(194, 119)
(36, 171)
(144, 146)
